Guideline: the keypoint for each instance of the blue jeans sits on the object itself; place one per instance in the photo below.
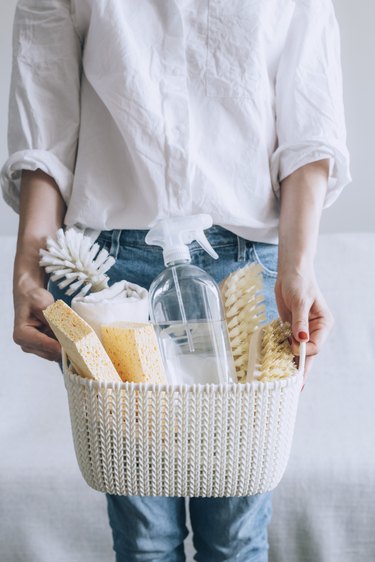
(153, 528)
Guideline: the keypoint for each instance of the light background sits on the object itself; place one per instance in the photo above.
(355, 209)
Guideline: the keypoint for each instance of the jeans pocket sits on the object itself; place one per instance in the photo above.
(232, 66)
(266, 256)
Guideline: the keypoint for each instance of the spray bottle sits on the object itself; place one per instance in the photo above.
(186, 307)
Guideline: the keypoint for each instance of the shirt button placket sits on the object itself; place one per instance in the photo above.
(176, 115)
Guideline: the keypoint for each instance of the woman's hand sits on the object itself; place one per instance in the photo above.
(31, 330)
(301, 303)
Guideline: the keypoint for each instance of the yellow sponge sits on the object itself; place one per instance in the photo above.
(134, 351)
(80, 343)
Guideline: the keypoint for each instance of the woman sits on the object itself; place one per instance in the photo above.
(125, 112)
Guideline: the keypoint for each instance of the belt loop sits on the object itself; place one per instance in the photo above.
(241, 255)
(115, 243)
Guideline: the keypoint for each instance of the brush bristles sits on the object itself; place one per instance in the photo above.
(74, 262)
(245, 315)
(244, 312)
(276, 359)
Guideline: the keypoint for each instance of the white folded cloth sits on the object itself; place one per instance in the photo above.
(121, 302)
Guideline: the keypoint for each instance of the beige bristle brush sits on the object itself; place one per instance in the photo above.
(260, 352)
(270, 354)
(245, 312)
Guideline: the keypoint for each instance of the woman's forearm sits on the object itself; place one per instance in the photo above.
(302, 198)
(299, 299)
(42, 211)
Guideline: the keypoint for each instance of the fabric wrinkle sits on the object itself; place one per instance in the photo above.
(199, 107)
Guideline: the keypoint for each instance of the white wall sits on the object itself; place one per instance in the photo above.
(355, 209)
(8, 219)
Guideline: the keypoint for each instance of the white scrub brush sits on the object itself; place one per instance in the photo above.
(76, 261)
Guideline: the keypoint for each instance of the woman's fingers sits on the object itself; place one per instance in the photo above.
(31, 330)
(300, 319)
(31, 340)
(301, 303)
(308, 364)
(49, 356)
(320, 322)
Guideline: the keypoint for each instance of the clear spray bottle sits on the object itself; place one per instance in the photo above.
(186, 307)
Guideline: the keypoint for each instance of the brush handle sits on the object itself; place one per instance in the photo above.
(302, 357)
(255, 347)
(64, 358)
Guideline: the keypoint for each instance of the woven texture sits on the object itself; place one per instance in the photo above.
(199, 440)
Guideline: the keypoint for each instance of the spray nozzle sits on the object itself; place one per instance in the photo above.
(174, 234)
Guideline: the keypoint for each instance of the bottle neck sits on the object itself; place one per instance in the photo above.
(177, 262)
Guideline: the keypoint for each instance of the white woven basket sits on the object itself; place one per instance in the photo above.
(199, 440)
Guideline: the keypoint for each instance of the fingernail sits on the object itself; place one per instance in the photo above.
(303, 335)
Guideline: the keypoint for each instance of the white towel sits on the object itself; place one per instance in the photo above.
(121, 302)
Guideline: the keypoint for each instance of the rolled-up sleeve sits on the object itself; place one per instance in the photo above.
(309, 99)
(44, 106)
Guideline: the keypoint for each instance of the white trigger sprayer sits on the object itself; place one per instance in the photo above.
(174, 234)
(186, 307)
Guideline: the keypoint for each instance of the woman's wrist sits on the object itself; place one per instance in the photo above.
(42, 209)
(296, 262)
(27, 271)
(28, 277)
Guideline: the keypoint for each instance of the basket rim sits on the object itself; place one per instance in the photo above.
(126, 385)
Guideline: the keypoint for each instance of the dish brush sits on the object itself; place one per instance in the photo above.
(245, 312)
(260, 352)
(76, 261)
(270, 354)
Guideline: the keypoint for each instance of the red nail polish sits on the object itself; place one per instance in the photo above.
(303, 335)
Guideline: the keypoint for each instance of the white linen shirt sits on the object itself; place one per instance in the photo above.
(142, 109)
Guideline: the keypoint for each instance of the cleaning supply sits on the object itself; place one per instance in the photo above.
(186, 307)
(134, 351)
(121, 302)
(80, 343)
(270, 354)
(261, 351)
(245, 312)
(75, 262)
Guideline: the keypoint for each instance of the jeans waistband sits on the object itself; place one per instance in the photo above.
(216, 235)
